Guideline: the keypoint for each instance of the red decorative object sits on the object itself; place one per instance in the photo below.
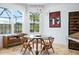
(54, 19)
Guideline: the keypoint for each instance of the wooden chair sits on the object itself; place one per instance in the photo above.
(48, 44)
(26, 44)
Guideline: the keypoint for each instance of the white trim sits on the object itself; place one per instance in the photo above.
(76, 40)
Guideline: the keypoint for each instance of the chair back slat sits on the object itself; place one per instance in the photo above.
(23, 39)
(51, 39)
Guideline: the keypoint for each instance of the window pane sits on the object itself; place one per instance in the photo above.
(5, 18)
(18, 27)
(1, 29)
(37, 27)
(34, 17)
(5, 28)
(8, 28)
(5, 14)
(31, 27)
(18, 22)
(34, 27)
(17, 14)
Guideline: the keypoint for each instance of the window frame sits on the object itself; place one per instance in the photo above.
(34, 21)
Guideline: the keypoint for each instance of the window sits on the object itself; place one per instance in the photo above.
(5, 21)
(34, 22)
(9, 18)
(18, 22)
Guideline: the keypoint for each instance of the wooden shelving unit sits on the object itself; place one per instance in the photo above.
(73, 28)
(73, 22)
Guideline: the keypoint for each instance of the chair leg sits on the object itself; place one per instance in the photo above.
(25, 51)
(32, 51)
(53, 49)
(41, 44)
(33, 44)
(41, 51)
(21, 49)
(47, 51)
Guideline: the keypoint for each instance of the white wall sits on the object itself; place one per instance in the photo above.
(60, 34)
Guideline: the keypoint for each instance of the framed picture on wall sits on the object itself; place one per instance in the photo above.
(54, 19)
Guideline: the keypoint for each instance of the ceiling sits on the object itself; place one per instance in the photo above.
(40, 4)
